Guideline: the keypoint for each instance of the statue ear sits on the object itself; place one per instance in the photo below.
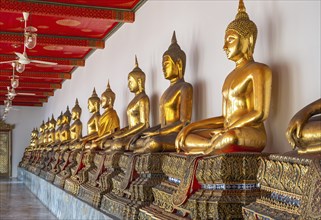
(139, 82)
(251, 45)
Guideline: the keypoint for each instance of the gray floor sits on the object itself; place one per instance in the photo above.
(18, 203)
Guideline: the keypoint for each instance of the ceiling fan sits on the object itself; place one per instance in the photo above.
(30, 39)
(14, 84)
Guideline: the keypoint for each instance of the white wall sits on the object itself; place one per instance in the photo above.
(288, 41)
(24, 119)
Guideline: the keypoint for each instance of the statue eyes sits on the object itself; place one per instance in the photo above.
(230, 39)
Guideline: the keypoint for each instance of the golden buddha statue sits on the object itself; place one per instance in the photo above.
(27, 155)
(41, 133)
(246, 99)
(51, 131)
(65, 127)
(304, 130)
(175, 106)
(108, 122)
(76, 127)
(92, 124)
(58, 128)
(137, 112)
(46, 132)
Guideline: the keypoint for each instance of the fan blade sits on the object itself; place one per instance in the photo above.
(10, 61)
(20, 55)
(43, 62)
(25, 93)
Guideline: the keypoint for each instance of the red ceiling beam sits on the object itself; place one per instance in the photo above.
(60, 61)
(15, 103)
(19, 98)
(42, 75)
(67, 11)
(43, 40)
(38, 93)
(32, 85)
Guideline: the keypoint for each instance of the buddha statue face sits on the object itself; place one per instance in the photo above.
(107, 101)
(236, 47)
(107, 98)
(76, 111)
(132, 84)
(93, 105)
(170, 68)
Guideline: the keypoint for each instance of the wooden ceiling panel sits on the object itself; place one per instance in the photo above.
(68, 31)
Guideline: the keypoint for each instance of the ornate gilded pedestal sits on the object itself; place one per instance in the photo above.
(70, 161)
(291, 188)
(46, 165)
(58, 161)
(211, 187)
(85, 163)
(100, 179)
(132, 187)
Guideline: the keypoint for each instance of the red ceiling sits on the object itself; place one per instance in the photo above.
(68, 32)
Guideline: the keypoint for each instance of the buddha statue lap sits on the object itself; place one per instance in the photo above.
(246, 99)
(137, 112)
(175, 106)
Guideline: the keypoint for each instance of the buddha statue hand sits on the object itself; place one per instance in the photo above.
(294, 129)
(150, 134)
(180, 139)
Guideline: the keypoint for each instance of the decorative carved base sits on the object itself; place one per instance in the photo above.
(132, 187)
(291, 188)
(84, 166)
(99, 184)
(211, 187)
(66, 168)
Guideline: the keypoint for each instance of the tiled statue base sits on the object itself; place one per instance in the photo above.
(60, 203)
(100, 180)
(132, 187)
(211, 187)
(291, 188)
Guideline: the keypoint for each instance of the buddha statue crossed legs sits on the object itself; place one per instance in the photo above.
(246, 99)
(175, 106)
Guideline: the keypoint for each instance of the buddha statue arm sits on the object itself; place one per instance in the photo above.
(294, 130)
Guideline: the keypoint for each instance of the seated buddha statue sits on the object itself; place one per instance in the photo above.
(27, 155)
(175, 106)
(92, 124)
(137, 112)
(76, 126)
(108, 122)
(51, 135)
(304, 130)
(64, 138)
(36, 153)
(246, 99)
(75, 136)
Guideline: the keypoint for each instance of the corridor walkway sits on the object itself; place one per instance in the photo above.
(18, 203)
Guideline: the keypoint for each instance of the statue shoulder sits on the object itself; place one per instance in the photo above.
(261, 68)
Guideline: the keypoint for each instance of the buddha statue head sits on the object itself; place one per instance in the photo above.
(240, 36)
(52, 122)
(66, 116)
(108, 98)
(34, 133)
(42, 127)
(93, 102)
(136, 79)
(76, 111)
(174, 61)
(47, 125)
(59, 120)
